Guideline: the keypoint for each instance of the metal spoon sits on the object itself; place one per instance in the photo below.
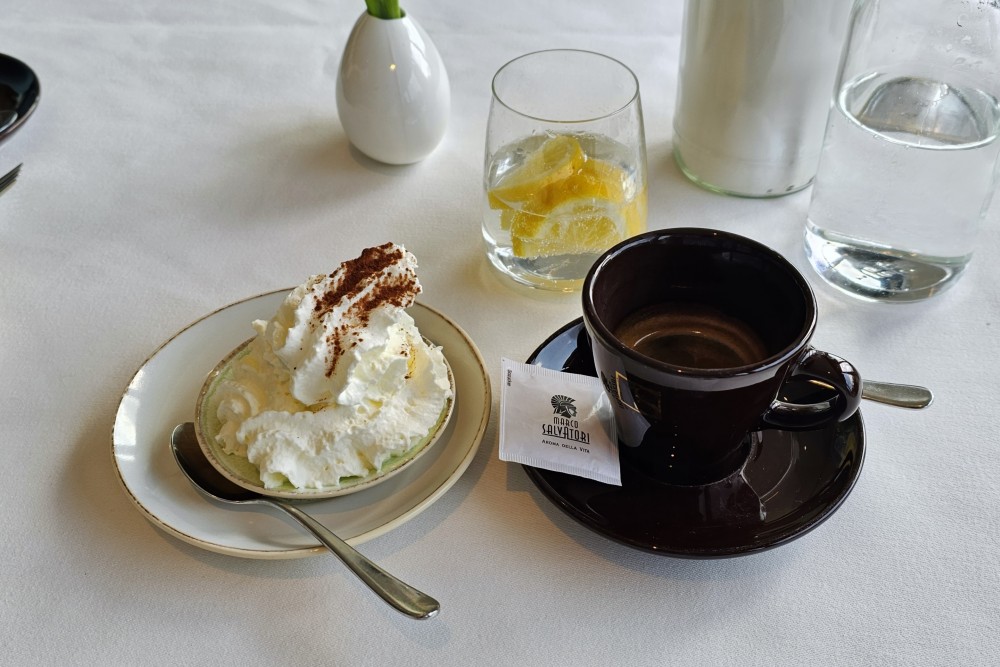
(403, 597)
(900, 395)
(8, 179)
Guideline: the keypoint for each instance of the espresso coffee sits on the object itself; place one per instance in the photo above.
(692, 336)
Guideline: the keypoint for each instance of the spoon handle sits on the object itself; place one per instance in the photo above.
(899, 395)
(398, 594)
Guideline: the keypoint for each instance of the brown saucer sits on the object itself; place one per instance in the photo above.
(791, 483)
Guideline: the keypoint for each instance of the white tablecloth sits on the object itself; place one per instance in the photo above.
(188, 154)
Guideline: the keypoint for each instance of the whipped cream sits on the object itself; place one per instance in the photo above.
(339, 380)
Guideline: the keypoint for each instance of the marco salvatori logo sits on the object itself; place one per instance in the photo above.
(564, 426)
(564, 406)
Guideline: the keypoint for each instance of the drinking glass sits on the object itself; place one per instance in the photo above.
(908, 166)
(565, 168)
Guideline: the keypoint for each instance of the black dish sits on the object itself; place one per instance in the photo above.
(19, 94)
(791, 483)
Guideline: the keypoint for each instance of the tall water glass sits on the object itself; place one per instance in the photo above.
(908, 166)
(565, 168)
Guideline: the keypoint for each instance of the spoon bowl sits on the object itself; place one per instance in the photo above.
(203, 475)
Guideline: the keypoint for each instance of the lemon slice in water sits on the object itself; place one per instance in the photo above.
(576, 226)
(554, 161)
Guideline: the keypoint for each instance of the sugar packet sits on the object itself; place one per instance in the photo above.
(557, 421)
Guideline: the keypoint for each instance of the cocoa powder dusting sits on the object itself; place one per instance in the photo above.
(395, 290)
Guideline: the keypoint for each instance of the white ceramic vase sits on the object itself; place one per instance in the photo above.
(393, 94)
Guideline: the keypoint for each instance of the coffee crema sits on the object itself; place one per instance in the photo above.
(691, 335)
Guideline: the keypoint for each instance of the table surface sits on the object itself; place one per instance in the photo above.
(186, 155)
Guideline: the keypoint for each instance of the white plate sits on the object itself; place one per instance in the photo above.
(163, 393)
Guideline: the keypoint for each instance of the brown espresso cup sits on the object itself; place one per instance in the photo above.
(695, 333)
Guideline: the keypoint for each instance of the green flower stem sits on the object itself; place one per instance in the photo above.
(384, 9)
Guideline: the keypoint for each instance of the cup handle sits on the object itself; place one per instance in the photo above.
(827, 370)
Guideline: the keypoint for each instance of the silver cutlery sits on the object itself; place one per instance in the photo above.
(899, 395)
(205, 478)
(8, 179)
